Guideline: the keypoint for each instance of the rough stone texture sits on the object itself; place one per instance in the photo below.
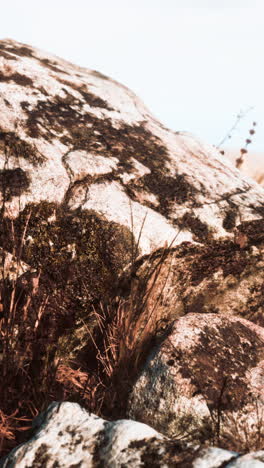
(208, 372)
(225, 277)
(89, 181)
(67, 436)
(72, 136)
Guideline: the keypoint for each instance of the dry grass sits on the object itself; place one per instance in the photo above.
(127, 327)
(32, 371)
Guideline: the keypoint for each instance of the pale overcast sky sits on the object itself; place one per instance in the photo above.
(194, 63)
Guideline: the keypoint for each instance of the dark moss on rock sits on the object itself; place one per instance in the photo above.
(79, 254)
(198, 228)
(14, 146)
(17, 78)
(97, 135)
(13, 182)
(219, 363)
(253, 230)
(168, 189)
(21, 51)
(42, 456)
(100, 75)
(229, 221)
(51, 65)
(89, 98)
(224, 255)
(6, 55)
(171, 453)
(255, 304)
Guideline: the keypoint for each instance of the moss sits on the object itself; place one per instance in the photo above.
(220, 361)
(7, 103)
(168, 189)
(6, 55)
(97, 135)
(89, 98)
(81, 130)
(80, 256)
(255, 305)
(197, 227)
(218, 255)
(229, 221)
(19, 79)
(18, 148)
(171, 453)
(42, 458)
(100, 75)
(51, 65)
(13, 182)
(254, 230)
(21, 51)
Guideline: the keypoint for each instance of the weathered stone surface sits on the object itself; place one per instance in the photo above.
(207, 377)
(75, 137)
(67, 436)
(224, 277)
(89, 181)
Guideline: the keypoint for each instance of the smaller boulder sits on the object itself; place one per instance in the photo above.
(205, 382)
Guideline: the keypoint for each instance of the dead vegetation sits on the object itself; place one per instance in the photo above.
(38, 365)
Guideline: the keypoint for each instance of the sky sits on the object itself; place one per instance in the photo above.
(196, 64)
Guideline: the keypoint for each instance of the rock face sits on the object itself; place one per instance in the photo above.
(76, 138)
(224, 276)
(208, 372)
(131, 262)
(84, 440)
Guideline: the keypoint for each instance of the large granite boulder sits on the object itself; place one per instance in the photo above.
(75, 138)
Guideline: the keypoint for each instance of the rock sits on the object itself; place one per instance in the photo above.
(65, 435)
(205, 381)
(224, 276)
(76, 138)
(96, 198)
